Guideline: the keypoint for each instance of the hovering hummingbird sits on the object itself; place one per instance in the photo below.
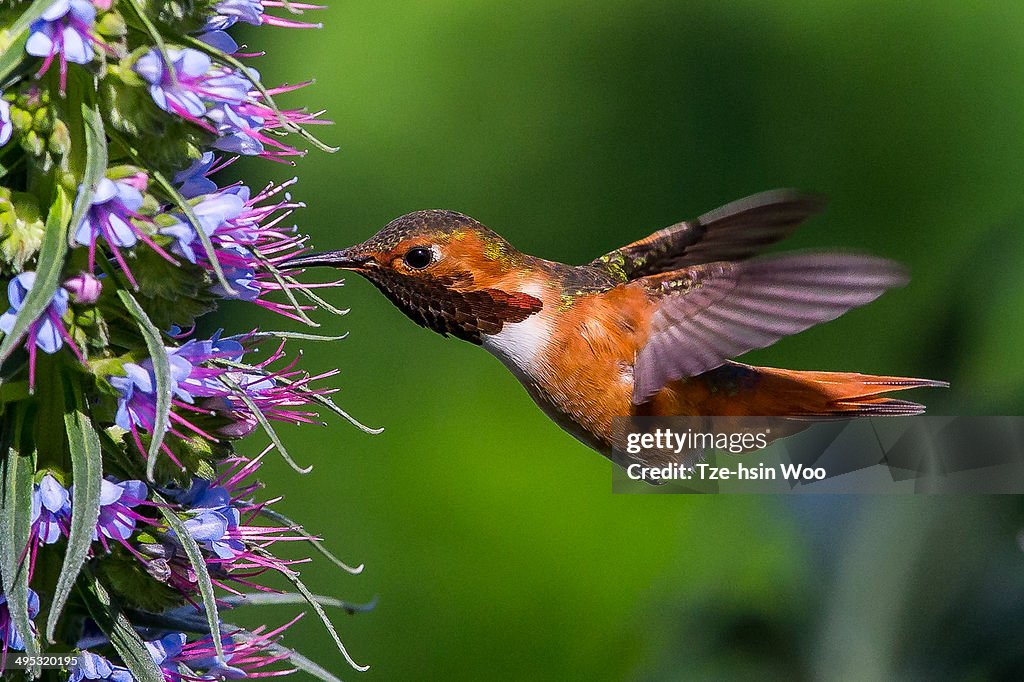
(648, 329)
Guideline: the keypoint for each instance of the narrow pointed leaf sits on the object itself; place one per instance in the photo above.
(301, 336)
(265, 423)
(317, 544)
(162, 371)
(204, 239)
(278, 598)
(95, 164)
(15, 523)
(87, 474)
(118, 628)
(195, 557)
(310, 598)
(48, 270)
(12, 53)
(59, 221)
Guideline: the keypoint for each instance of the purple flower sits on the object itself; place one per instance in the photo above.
(65, 30)
(213, 211)
(238, 131)
(51, 510)
(192, 182)
(229, 12)
(47, 333)
(250, 237)
(178, 93)
(6, 127)
(219, 40)
(215, 524)
(117, 500)
(244, 657)
(220, 100)
(191, 83)
(136, 405)
(114, 206)
(94, 667)
(9, 636)
(165, 648)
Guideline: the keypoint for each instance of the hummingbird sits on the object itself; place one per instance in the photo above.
(651, 328)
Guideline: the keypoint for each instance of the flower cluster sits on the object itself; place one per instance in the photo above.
(117, 118)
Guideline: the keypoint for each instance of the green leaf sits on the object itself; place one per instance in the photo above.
(118, 628)
(48, 271)
(58, 222)
(87, 474)
(195, 557)
(197, 227)
(317, 544)
(262, 419)
(311, 599)
(95, 163)
(278, 598)
(295, 335)
(14, 51)
(17, 470)
(313, 396)
(162, 371)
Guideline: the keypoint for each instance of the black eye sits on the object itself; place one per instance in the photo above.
(419, 257)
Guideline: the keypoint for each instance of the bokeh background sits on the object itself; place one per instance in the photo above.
(491, 538)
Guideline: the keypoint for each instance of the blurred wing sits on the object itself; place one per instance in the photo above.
(711, 313)
(735, 231)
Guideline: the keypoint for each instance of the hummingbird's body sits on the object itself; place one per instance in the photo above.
(648, 329)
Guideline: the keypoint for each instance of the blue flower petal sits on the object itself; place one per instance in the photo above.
(76, 47)
(129, 197)
(56, 10)
(52, 494)
(40, 42)
(48, 337)
(110, 492)
(121, 231)
(105, 191)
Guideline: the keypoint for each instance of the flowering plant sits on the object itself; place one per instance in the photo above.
(129, 522)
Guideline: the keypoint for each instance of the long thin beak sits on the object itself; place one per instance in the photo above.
(342, 260)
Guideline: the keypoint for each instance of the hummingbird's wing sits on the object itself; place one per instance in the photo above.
(707, 314)
(735, 231)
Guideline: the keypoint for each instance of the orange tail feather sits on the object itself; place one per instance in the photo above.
(840, 394)
(737, 389)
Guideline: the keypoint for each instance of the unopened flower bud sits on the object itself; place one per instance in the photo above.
(83, 287)
(138, 180)
(112, 24)
(42, 120)
(21, 118)
(33, 144)
(60, 138)
(21, 228)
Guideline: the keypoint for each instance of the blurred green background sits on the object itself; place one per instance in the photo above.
(490, 537)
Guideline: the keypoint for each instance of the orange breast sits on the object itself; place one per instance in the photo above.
(588, 364)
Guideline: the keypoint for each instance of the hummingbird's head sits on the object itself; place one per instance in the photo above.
(443, 269)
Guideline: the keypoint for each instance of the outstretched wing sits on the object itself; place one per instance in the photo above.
(735, 231)
(711, 313)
